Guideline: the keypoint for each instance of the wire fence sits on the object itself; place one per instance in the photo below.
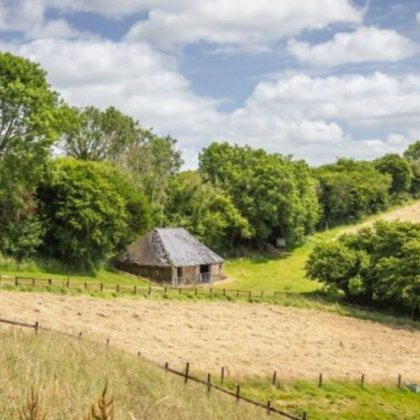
(209, 385)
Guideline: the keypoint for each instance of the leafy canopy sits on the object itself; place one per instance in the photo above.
(274, 194)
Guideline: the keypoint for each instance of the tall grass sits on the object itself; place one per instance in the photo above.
(67, 377)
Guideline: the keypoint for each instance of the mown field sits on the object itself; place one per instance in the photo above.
(67, 383)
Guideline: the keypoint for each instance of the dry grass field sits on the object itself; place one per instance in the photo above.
(248, 339)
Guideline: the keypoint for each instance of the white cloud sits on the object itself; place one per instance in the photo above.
(28, 17)
(313, 118)
(136, 79)
(317, 118)
(238, 22)
(418, 17)
(366, 44)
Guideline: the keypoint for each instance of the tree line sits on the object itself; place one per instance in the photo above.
(79, 184)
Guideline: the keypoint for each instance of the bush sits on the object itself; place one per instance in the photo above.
(376, 265)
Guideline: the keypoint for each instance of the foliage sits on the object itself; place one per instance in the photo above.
(99, 135)
(203, 210)
(152, 160)
(29, 115)
(276, 195)
(400, 171)
(379, 264)
(84, 207)
(349, 190)
(413, 151)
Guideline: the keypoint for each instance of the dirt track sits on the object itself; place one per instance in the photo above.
(246, 338)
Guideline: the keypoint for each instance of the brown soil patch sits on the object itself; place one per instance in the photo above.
(248, 339)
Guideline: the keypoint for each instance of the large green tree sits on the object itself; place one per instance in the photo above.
(205, 211)
(276, 195)
(413, 151)
(152, 160)
(379, 264)
(89, 210)
(30, 113)
(400, 171)
(99, 135)
(351, 189)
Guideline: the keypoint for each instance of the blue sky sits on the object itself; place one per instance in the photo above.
(317, 79)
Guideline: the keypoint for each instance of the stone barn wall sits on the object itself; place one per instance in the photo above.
(155, 273)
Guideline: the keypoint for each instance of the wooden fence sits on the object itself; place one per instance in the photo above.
(186, 374)
(141, 290)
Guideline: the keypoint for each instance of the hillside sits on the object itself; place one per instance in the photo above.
(249, 339)
(286, 272)
(70, 380)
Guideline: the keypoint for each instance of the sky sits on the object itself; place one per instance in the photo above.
(316, 79)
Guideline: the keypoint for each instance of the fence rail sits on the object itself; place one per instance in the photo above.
(186, 375)
(136, 289)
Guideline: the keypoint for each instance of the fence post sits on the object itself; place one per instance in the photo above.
(187, 370)
(208, 382)
(196, 291)
(304, 415)
(238, 390)
(250, 294)
(117, 288)
(135, 290)
(33, 282)
(36, 327)
(262, 293)
(150, 289)
(222, 375)
(80, 335)
(68, 283)
(362, 382)
(237, 293)
(268, 408)
(224, 292)
(166, 368)
(85, 286)
(16, 281)
(274, 377)
(107, 343)
(320, 380)
(399, 380)
(49, 282)
(211, 290)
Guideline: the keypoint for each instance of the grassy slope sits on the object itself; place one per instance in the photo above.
(284, 273)
(338, 400)
(69, 380)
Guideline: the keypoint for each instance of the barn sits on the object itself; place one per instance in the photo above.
(171, 255)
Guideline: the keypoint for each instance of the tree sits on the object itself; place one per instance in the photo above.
(89, 211)
(152, 160)
(400, 171)
(276, 195)
(205, 211)
(413, 152)
(29, 124)
(379, 264)
(349, 190)
(99, 135)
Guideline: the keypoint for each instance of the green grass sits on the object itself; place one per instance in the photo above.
(286, 272)
(336, 400)
(54, 270)
(68, 381)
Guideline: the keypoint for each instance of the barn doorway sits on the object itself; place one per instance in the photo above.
(205, 273)
(179, 279)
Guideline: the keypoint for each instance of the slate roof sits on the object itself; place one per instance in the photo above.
(169, 246)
